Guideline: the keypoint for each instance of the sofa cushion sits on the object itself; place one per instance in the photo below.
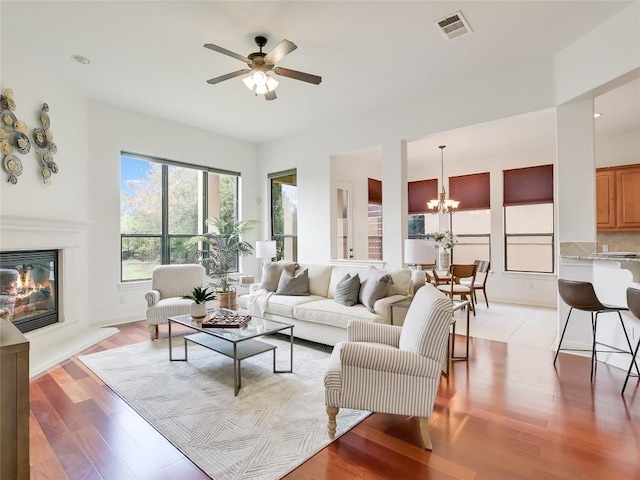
(296, 285)
(328, 312)
(374, 287)
(348, 290)
(319, 276)
(284, 305)
(271, 272)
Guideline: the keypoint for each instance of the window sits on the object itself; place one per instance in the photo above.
(284, 214)
(528, 219)
(162, 205)
(374, 228)
(472, 220)
(421, 221)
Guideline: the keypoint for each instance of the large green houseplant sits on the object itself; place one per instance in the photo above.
(219, 252)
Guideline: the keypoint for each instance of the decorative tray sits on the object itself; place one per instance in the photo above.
(226, 320)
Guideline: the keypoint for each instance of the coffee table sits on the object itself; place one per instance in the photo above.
(235, 343)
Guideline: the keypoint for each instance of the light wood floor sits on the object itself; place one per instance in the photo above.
(504, 414)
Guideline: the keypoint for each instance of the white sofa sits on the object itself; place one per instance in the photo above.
(317, 317)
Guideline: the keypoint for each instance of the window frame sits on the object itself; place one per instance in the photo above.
(164, 236)
(532, 185)
(281, 238)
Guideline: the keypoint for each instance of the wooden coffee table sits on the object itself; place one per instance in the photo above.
(235, 343)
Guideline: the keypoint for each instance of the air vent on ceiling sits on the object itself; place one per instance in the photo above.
(453, 26)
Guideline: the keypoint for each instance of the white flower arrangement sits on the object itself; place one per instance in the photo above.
(445, 240)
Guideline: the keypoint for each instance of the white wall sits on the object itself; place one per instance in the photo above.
(497, 96)
(600, 59)
(112, 130)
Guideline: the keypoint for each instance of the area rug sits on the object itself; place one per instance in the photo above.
(276, 422)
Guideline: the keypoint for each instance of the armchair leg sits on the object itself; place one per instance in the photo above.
(153, 332)
(424, 431)
(331, 426)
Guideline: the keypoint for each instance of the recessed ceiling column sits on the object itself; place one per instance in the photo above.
(575, 199)
(394, 201)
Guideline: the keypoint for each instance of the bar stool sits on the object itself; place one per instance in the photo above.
(633, 300)
(582, 296)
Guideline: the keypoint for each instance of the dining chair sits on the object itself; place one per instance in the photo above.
(458, 273)
(482, 272)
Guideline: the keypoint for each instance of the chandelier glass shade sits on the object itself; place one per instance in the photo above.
(442, 204)
(260, 82)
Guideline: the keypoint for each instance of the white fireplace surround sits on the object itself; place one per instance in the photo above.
(55, 343)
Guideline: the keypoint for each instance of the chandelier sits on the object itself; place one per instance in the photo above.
(442, 204)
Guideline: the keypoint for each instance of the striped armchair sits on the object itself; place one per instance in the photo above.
(390, 369)
(168, 284)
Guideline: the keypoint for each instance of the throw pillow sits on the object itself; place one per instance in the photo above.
(374, 287)
(271, 272)
(401, 282)
(295, 285)
(348, 290)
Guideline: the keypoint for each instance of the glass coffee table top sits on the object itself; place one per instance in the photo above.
(257, 327)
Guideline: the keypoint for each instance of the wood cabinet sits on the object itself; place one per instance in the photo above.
(618, 198)
(14, 403)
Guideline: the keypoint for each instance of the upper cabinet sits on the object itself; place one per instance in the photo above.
(618, 198)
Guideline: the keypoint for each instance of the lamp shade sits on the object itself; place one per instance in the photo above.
(265, 248)
(418, 251)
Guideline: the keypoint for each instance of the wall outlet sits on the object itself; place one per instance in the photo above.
(605, 248)
(530, 285)
(122, 300)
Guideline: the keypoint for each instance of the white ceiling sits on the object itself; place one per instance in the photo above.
(148, 56)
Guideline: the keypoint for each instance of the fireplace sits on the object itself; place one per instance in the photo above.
(29, 283)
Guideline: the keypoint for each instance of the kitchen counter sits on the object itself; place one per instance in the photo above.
(617, 257)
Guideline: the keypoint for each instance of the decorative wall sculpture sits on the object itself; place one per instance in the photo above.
(45, 146)
(13, 137)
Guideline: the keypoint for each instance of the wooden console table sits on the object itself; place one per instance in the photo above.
(14, 403)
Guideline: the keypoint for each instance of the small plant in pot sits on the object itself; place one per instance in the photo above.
(200, 296)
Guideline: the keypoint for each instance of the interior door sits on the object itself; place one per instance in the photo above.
(344, 218)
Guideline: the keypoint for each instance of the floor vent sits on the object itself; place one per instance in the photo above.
(453, 26)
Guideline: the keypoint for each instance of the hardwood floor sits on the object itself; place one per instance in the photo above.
(504, 414)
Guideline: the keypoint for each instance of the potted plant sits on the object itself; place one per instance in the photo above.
(200, 296)
(219, 252)
(445, 242)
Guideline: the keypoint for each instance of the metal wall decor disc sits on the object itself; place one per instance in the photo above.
(21, 143)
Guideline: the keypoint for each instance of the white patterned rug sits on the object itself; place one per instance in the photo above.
(276, 422)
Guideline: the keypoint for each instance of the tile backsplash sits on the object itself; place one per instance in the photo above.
(619, 241)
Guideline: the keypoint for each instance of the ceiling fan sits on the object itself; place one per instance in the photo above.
(260, 65)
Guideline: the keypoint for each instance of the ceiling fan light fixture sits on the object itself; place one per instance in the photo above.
(272, 83)
(248, 81)
(261, 89)
(259, 77)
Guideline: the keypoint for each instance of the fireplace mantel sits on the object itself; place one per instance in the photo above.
(74, 332)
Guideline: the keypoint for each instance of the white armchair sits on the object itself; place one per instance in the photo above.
(391, 369)
(168, 284)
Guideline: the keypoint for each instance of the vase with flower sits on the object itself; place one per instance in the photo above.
(445, 242)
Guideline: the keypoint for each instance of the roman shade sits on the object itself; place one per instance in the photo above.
(419, 193)
(375, 191)
(472, 191)
(528, 186)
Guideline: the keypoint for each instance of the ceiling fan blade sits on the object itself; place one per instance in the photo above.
(222, 78)
(284, 48)
(305, 77)
(224, 51)
(270, 95)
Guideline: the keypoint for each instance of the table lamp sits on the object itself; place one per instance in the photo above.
(416, 253)
(265, 249)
